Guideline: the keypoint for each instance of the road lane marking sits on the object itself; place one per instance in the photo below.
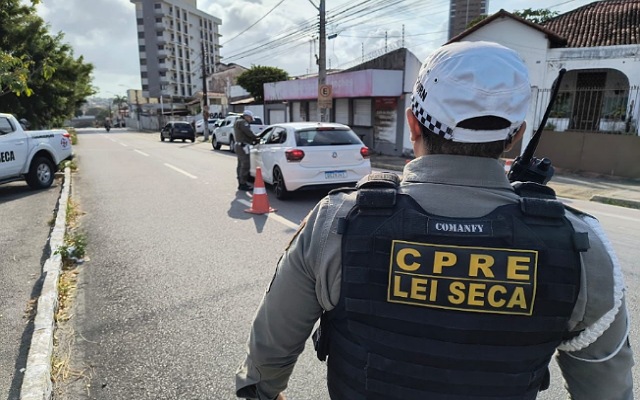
(181, 171)
(141, 152)
(275, 217)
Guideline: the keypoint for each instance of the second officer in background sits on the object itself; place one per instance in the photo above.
(243, 138)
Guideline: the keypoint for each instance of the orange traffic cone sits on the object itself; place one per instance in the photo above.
(260, 202)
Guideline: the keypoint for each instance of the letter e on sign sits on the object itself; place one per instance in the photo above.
(325, 96)
(325, 92)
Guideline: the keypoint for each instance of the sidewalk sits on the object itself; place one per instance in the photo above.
(612, 190)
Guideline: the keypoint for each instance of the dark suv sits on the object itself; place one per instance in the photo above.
(178, 130)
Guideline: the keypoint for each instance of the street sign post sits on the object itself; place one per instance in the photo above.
(325, 96)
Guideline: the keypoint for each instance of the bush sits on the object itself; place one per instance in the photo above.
(74, 135)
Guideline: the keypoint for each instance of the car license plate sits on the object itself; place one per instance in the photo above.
(335, 174)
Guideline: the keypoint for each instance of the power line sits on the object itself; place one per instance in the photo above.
(349, 13)
(254, 24)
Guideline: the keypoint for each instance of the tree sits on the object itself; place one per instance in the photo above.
(118, 101)
(537, 16)
(253, 79)
(476, 20)
(39, 66)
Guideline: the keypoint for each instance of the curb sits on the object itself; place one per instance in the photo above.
(388, 167)
(616, 202)
(36, 383)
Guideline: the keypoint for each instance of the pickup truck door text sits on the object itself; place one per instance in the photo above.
(13, 150)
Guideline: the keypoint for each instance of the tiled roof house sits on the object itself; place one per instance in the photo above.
(599, 46)
(599, 24)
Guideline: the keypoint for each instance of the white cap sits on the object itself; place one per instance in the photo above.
(465, 80)
(248, 113)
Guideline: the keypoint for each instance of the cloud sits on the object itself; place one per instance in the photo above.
(105, 32)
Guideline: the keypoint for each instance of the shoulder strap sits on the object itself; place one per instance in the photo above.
(532, 189)
(378, 190)
(379, 179)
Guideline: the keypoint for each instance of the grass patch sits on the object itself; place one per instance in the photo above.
(73, 252)
(68, 163)
(74, 135)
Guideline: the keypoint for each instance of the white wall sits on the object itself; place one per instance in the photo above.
(531, 44)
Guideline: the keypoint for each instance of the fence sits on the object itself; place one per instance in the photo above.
(611, 111)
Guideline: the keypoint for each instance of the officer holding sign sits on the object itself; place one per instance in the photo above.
(450, 284)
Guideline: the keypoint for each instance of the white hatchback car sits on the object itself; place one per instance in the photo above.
(309, 155)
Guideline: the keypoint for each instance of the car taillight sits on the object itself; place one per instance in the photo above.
(364, 152)
(294, 155)
(66, 134)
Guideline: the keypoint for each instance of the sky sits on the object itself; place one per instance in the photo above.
(104, 32)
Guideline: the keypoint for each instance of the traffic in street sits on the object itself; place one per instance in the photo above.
(176, 268)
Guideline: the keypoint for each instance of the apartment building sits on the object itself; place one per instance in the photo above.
(177, 44)
(461, 12)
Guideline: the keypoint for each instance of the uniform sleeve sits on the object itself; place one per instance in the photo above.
(597, 363)
(286, 315)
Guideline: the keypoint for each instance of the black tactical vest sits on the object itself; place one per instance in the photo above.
(435, 308)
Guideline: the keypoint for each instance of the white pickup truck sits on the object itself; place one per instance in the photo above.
(224, 133)
(31, 155)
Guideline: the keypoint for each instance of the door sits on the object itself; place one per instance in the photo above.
(14, 149)
(273, 152)
(586, 108)
(227, 129)
(255, 154)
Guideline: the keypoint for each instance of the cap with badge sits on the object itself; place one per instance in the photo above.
(464, 80)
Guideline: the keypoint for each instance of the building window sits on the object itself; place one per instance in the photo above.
(157, 6)
(143, 61)
(140, 21)
(141, 48)
(143, 74)
(140, 35)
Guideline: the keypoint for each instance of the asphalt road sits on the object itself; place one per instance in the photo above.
(177, 268)
(25, 215)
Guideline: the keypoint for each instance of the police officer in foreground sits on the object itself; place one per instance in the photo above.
(449, 284)
(243, 138)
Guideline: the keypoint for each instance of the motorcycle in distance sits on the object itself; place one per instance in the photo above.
(107, 125)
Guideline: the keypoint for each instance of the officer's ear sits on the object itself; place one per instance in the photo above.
(517, 137)
(415, 134)
(414, 126)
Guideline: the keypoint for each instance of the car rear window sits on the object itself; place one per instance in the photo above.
(326, 137)
(183, 126)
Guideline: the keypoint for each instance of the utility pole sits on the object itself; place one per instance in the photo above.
(322, 68)
(323, 90)
(205, 92)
